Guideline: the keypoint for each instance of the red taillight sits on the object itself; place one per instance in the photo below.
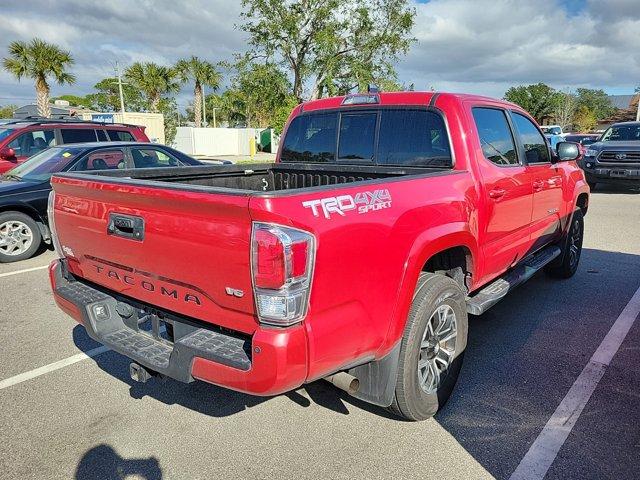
(270, 262)
(282, 260)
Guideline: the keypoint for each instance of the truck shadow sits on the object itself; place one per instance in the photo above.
(521, 359)
(104, 462)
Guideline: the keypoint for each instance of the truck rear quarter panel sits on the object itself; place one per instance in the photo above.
(367, 263)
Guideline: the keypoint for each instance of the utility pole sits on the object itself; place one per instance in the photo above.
(120, 90)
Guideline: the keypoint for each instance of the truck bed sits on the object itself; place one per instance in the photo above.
(248, 178)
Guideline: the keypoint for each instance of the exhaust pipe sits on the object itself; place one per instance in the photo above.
(344, 381)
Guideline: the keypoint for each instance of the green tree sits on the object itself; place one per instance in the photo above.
(202, 73)
(40, 61)
(584, 119)
(169, 109)
(74, 100)
(153, 80)
(106, 98)
(540, 100)
(595, 100)
(7, 111)
(329, 46)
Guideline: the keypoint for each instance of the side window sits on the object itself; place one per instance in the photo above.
(78, 135)
(495, 136)
(30, 143)
(357, 136)
(413, 137)
(311, 138)
(120, 136)
(535, 145)
(151, 158)
(102, 136)
(102, 160)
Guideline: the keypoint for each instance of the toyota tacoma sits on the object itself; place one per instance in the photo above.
(357, 257)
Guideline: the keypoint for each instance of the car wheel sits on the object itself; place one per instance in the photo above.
(567, 263)
(432, 348)
(20, 237)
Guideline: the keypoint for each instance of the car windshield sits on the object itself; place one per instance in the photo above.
(621, 133)
(42, 165)
(5, 132)
(552, 130)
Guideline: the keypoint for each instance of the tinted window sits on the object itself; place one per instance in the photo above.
(102, 160)
(78, 135)
(621, 133)
(102, 137)
(120, 136)
(413, 137)
(311, 138)
(357, 136)
(535, 145)
(495, 136)
(30, 143)
(150, 158)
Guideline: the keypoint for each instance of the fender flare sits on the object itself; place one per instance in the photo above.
(425, 246)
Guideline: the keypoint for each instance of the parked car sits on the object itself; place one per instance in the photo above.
(582, 139)
(24, 189)
(554, 134)
(356, 257)
(615, 157)
(20, 139)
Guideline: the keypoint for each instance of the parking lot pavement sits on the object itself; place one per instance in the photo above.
(89, 420)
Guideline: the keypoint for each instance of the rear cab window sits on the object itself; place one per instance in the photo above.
(387, 136)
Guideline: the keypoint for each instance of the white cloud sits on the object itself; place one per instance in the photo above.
(481, 46)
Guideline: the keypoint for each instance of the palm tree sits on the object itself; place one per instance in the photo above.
(202, 73)
(153, 81)
(39, 60)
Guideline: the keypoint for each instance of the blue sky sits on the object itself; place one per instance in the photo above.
(475, 46)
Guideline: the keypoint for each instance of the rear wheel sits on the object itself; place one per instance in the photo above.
(432, 348)
(19, 237)
(567, 263)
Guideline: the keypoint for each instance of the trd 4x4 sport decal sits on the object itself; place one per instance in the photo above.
(362, 202)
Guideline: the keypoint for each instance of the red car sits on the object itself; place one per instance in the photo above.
(357, 257)
(21, 139)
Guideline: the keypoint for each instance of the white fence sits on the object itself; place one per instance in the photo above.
(214, 141)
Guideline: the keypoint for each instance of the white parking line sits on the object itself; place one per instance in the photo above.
(8, 274)
(544, 450)
(23, 377)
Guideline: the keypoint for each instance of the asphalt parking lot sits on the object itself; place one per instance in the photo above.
(81, 417)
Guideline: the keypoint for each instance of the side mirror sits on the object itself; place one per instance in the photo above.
(567, 151)
(8, 154)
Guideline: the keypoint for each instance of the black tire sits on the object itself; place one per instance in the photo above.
(433, 291)
(566, 265)
(31, 226)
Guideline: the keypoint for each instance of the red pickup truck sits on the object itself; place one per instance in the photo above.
(356, 257)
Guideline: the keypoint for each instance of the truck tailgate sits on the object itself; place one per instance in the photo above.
(184, 250)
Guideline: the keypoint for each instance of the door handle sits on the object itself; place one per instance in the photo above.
(497, 193)
(538, 185)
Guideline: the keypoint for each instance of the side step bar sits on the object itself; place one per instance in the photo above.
(498, 289)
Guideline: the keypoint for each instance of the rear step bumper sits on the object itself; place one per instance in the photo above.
(496, 291)
(272, 361)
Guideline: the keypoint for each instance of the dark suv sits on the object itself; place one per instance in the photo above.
(615, 157)
(21, 139)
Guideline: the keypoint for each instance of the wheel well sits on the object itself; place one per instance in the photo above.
(44, 230)
(455, 262)
(583, 202)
